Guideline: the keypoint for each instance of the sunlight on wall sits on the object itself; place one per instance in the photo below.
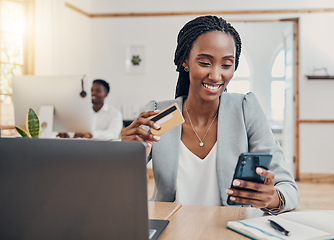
(11, 55)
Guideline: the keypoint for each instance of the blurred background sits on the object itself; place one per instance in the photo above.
(287, 59)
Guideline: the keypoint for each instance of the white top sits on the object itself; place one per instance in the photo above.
(107, 123)
(197, 182)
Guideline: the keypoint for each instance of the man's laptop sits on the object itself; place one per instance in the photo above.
(69, 189)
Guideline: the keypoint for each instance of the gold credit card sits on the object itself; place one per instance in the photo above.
(168, 118)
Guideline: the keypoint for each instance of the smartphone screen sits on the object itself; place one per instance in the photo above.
(246, 166)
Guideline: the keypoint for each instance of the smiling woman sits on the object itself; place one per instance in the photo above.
(193, 163)
(15, 19)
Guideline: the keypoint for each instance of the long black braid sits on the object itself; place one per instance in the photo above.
(186, 37)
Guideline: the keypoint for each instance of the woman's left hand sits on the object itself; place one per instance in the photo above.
(264, 195)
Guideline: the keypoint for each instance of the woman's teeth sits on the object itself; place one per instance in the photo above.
(212, 87)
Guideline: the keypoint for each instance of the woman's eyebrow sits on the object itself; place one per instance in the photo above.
(228, 56)
(204, 55)
(210, 56)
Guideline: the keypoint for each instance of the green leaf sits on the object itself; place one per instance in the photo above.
(22, 132)
(33, 123)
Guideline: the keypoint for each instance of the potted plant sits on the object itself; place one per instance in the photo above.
(32, 125)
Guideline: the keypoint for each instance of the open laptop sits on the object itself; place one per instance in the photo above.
(70, 189)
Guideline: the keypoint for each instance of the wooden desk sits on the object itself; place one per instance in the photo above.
(201, 222)
(162, 210)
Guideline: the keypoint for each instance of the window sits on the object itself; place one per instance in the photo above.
(277, 96)
(240, 83)
(277, 101)
(15, 19)
(278, 68)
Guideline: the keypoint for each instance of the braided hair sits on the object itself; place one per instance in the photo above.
(186, 37)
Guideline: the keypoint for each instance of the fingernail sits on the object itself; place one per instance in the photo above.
(156, 126)
(229, 191)
(236, 183)
(232, 198)
(259, 170)
(156, 137)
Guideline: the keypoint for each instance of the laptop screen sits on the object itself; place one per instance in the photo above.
(72, 189)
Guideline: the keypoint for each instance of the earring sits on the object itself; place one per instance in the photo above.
(186, 69)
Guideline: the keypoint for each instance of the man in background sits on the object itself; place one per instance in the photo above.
(107, 121)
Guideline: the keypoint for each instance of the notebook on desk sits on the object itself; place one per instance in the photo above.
(301, 225)
(63, 189)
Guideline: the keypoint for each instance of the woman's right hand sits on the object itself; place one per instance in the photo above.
(136, 132)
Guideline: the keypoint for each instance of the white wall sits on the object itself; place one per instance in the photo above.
(316, 96)
(316, 51)
(63, 39)
(316, 148)
(70, 43)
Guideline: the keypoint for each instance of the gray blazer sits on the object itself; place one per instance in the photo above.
(242, 127)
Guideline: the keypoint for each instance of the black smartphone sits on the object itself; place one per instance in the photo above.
(245, 169)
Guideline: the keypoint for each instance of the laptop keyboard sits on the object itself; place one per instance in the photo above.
(151, 233)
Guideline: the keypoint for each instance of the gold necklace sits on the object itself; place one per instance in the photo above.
(201, 141)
